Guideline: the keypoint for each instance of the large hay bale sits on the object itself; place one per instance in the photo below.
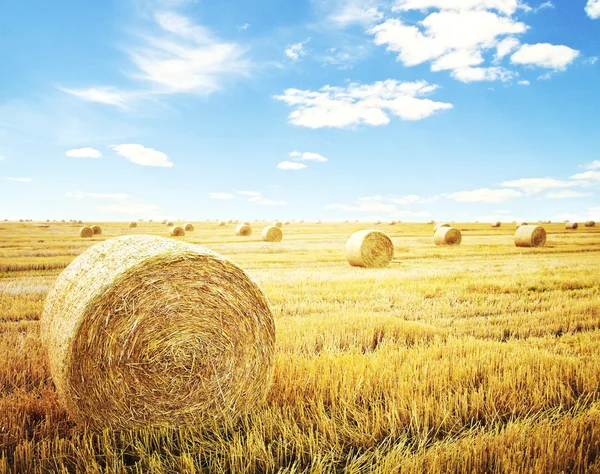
(447, 236)
(96, 229)
(243, 230)
(369, 249)
(530, 236)
(278, 224)
(177, 231)
(496, 224)
(133, 225)
(590, 224)
(571, 226)
(188, 227)
(440, 224)
(272, 234)
(146, 331)
(86, 232)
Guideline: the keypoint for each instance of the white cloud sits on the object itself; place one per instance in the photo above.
(485, 195)
(20, 180)
(101, 95)
(249, 193)
(307, 156)
(362, 12)
(221, 196)
(567, 194)
(245, 26)
(545, 55)
(592, 60)
(506, 46)
(404, 200)
(588, 175)
(295, 51)
(113, 196)
(594, 165)
(535, 185)
(357, 104)
(290, 165)
(84, 153)
(524, 83)
(543, 6)
(508, 7)
(261, 201)
(140, 155)
(593, 9)
(474, 74)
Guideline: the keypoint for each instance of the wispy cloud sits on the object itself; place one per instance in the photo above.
(20, 180)
(140, 155)
(262, 201)
(567, 194)
(125, 204)
(114, 196)
(83, 153)
(290, 165)
(307, 156)
(296, 51)
(221, 195)
(535, 185)
(485, 195)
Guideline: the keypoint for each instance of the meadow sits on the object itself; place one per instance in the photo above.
(478, 358)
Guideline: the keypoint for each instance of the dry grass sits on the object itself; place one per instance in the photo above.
(415, 368)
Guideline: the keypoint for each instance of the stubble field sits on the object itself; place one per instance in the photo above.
(478, 358)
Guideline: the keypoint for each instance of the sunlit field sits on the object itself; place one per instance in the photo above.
(478, 358)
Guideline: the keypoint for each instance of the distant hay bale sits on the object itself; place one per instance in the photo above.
(278, 224)
(133, 225)
(571, 226)
(590, 224)
(286, 223)
(431, 222)
(272, 234)
(80, 222)
(378, 223)
(369, 249)
(63, 220)
(496, 224)
(177, 231)
(318, 222)
(170, 224)
(447, 236)
(245, 223)
(222, 224)
(230, 221)
(145, 331)
(96, 229)
(530, 236)
(302, 221)
(86, 232)
(393, 223)
(243, 230)
(188, 227)
(522, 223)
(164, 222)
(440, 224)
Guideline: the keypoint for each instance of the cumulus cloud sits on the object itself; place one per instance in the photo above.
(567, 194)
(535, 185)
(221, 195)
(356, 104)
(592, 175)
(295, 51)
(140, 155)
(485, 195)
(545, 55)
(290, 165)
(594, 165)
(20, 180)
(507, 7)
(593, 9)
(84, 153)
(307, 156)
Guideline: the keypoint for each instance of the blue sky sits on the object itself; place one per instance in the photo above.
(410, 110)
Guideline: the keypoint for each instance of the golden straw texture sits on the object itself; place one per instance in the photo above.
(188, 227)
(530, 236)
(243, 230)
(96, 229)
(177, 231)
(369, 249)
(86, 232)
(147, 331)
(133, 225)
(447, 236)
(272, 234)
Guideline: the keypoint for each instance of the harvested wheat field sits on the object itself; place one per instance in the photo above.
(483, 357)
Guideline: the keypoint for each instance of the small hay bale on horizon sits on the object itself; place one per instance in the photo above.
(571, 226)
(170, 224)
(143, 331)
(495, 225)
(278, 224)
(243, 230)
(221, 224)
(177, 231)
(189, 227)
(164, 222)
(272, 234)
(86, 232)
(447, 236)
(96, 229)
(245, 223)
(133, 225)
(530, 236)
(590, 224)
(369, 249)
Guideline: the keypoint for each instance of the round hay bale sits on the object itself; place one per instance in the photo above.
(80, 222)
(272, 234)
(590, 224)
(230, 221)
(146, 331)
(170, 224)
(243, 230)
(530, 236)
(96, 229)
(440, 224)
(522, 223)
(177, 231)
(86, 232)
(369, 249)
(278, 224)
(133, 225)
(164, 222)
(222, 224)
(393, 223)
(286, 223)
(571, 226)
(378, 223)
(496, 224)
(246, 223)
(447, 236)
(188, 227)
